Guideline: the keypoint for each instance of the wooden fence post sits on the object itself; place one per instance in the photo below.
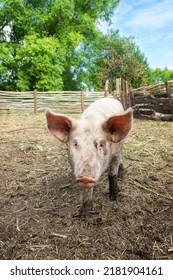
(35, 101)
(107, 88)
(128, 94)
(122, 91)
(125, 94)
(168, 92)
(118, 88)
(82, 101)
(131, 97)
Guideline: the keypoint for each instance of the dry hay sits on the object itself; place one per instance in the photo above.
(39, 202)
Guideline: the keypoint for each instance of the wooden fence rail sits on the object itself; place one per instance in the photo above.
(71, 102)
(147, 101)
(155, 101)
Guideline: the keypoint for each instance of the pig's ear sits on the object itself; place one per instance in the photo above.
(119, 126)
(60, 125)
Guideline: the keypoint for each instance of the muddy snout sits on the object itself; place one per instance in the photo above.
(86, 182)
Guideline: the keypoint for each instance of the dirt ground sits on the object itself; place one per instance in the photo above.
(39, 202)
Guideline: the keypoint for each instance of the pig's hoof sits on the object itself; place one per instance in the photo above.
(84, 214)
(85, 210)
(114, 196)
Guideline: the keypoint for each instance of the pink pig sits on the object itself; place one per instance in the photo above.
(95, 143)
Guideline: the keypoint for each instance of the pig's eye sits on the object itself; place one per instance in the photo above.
(75, 143)
(102, 144)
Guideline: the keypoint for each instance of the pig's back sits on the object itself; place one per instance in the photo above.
(103, 108)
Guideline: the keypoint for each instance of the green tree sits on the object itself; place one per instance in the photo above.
(159, 75)
(38, 60)
(109, 57)
(5, 66)
(70, 22)
(123, 59)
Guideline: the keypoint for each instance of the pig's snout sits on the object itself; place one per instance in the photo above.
(86, 182)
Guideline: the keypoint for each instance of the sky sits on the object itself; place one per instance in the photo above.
(151, 23)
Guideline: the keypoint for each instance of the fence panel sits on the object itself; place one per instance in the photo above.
(155, 100)
(71, 102)
(147, 101)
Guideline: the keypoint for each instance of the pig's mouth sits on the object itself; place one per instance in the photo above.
(86, 182)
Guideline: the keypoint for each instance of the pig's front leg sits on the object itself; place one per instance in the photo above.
(87, 203)
(116, 171)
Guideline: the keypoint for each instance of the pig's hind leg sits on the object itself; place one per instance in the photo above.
(113, 187)
(121, 171)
